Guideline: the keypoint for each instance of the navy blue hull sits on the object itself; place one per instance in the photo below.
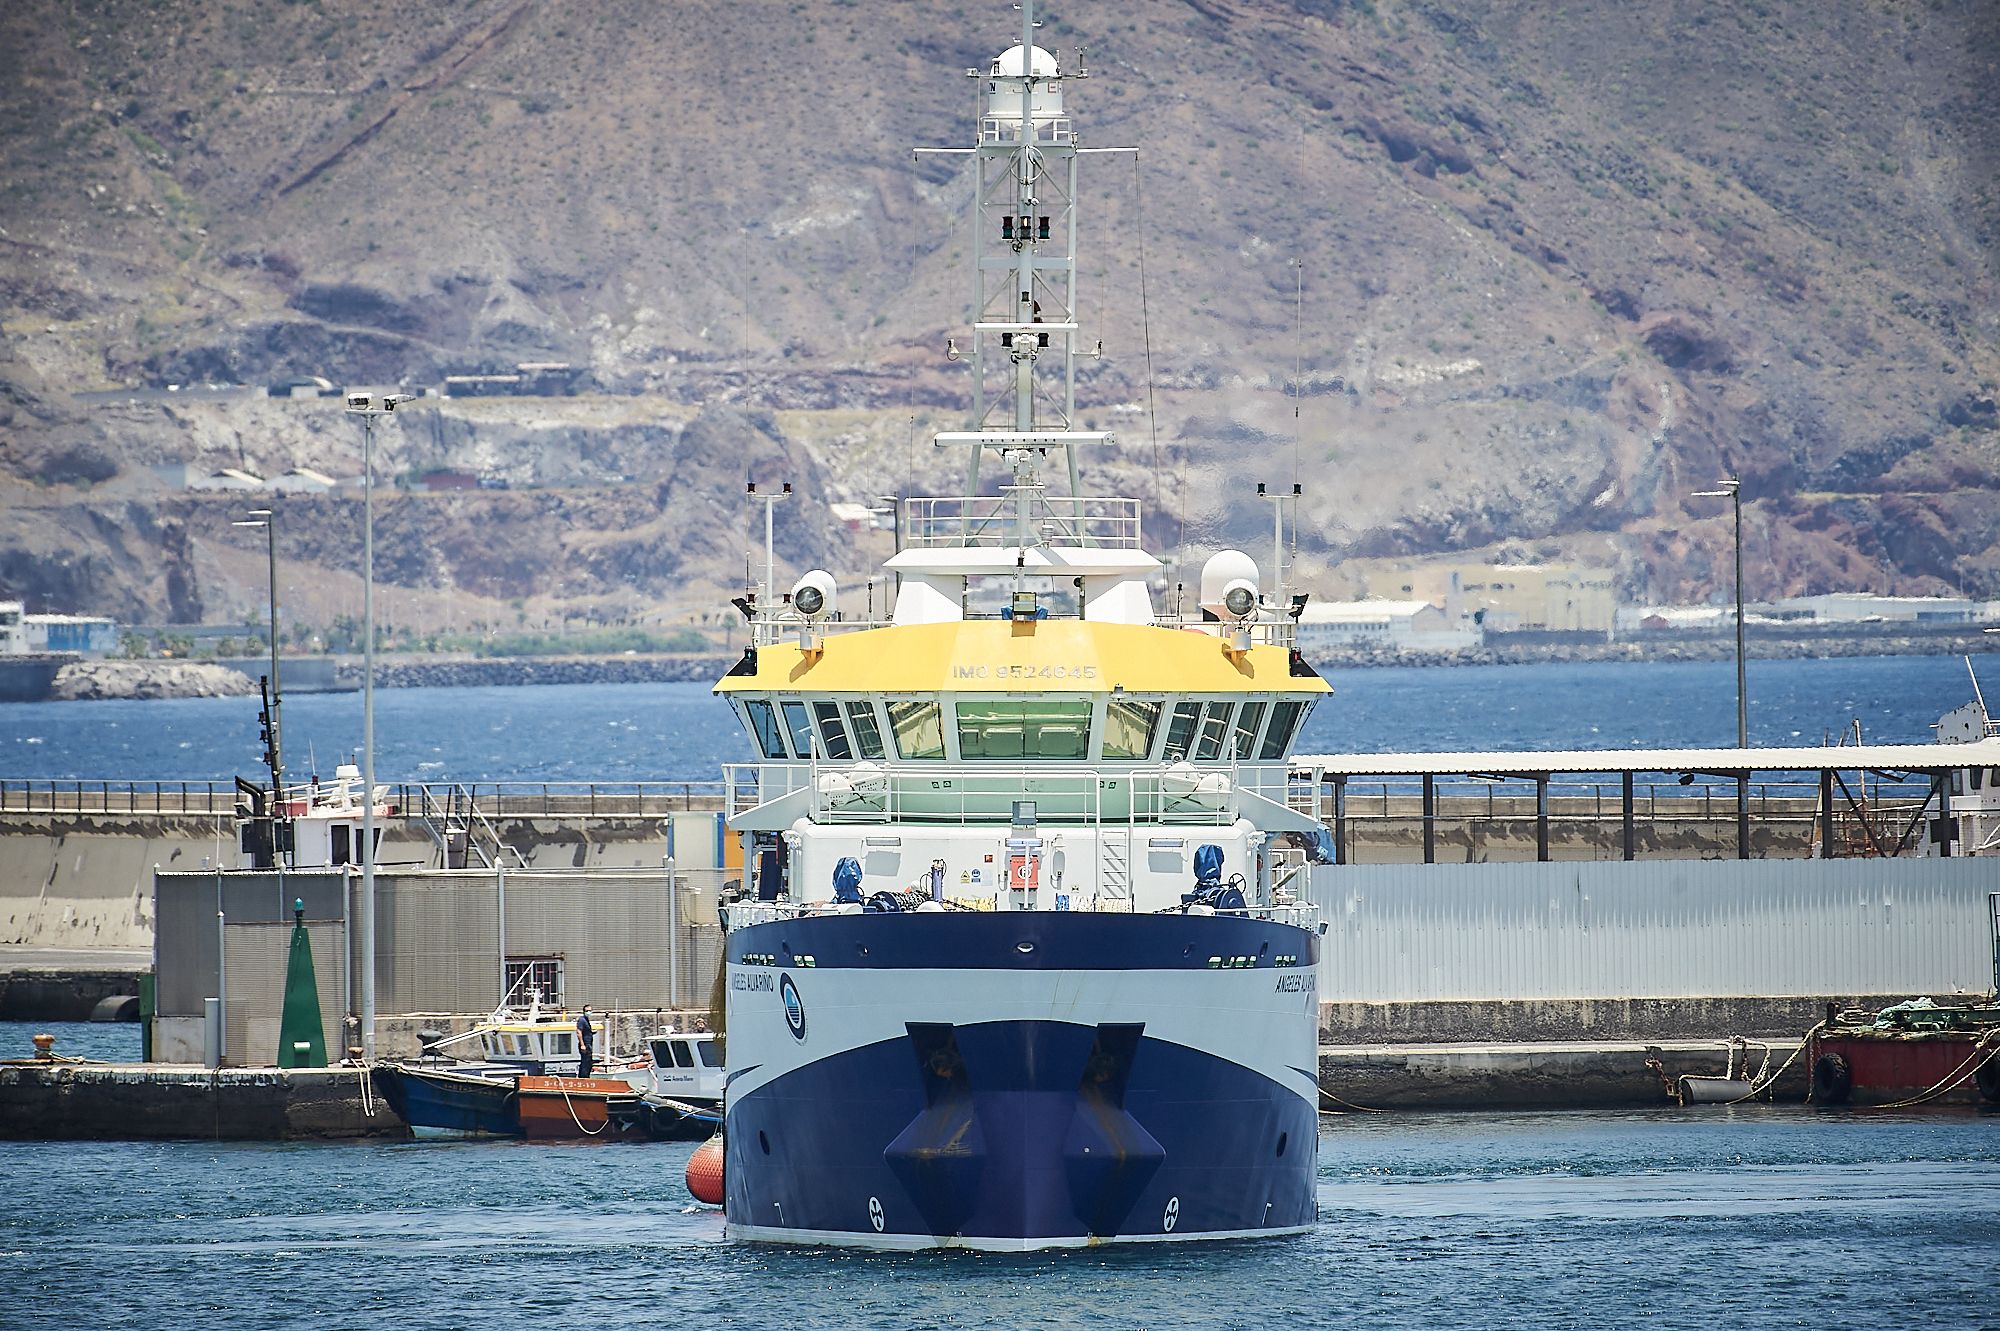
(1020, 1132)
(449, 1103)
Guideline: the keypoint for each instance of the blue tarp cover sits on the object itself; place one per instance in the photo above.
(847, 879)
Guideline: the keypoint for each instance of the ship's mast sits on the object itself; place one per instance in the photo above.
(1024, 270)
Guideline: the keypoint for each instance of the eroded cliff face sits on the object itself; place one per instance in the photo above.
(1488, 276)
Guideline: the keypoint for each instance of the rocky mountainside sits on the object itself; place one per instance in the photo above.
(1490, 276)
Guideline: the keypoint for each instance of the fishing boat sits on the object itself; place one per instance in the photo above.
(523, 1080)
(1022, 967)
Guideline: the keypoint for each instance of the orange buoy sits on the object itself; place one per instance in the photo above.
(704, 1171)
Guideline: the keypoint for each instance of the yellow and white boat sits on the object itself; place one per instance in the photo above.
(1019, 968)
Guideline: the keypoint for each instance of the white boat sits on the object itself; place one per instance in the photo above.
(1021, 970)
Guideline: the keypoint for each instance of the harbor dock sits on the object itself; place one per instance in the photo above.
(55, 1100)
(59, 1100)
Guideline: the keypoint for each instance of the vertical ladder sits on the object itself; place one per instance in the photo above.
(1114, 869)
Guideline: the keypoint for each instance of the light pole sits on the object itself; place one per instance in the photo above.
(368, 406)
(1731, 488)
(265, 518)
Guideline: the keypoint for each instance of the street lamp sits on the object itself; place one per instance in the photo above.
(368, 406)
(265, 518)
(1731, 488)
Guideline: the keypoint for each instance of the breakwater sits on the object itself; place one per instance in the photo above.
(501, 671)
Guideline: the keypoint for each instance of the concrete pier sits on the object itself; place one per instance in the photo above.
(1360, 1078)
(57, 1101)
(69, 1101)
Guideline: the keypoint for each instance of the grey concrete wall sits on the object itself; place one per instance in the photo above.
(57, 1101)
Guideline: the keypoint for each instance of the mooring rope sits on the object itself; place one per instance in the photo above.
(1953, 1080)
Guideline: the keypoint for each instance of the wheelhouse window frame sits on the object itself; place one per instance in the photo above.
(760, 718)
(828, 716)
(797, 719)
(1288, 717)
(907, 720)
(865, 729)
(1154, 711)
(1047, 728)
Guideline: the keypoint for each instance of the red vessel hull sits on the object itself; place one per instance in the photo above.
(1886, 1068)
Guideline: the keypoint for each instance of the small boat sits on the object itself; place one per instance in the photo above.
(523, 1082)
(681, 1065)
(439, 1102)
(1913, 1053)
(677, 1120)
(682, 1087)
(559, 1108)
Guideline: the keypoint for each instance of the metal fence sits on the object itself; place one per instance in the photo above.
(1658, 928)
(520, 799)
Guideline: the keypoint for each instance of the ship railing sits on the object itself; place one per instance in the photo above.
(781, 623)
(1269, 629)
(747, 785)
(1303, 915)
(1007, 129)
(934, 521)
(919, 793)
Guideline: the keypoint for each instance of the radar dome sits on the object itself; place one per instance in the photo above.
(1003, 99)
(1007, 64)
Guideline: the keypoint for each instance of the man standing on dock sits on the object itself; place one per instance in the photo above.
(584, 1034)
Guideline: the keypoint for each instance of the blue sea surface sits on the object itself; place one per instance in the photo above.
(680, 732)
(1753, 1217)
(1770, 1217)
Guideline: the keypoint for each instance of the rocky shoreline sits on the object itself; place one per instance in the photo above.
(493, 672)
(1756, 647)
(198, 679)
(81, 680)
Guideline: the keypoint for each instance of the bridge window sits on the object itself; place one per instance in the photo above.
(1040, 728)
(867, 733)
(1285, 719)
(831, 733)
(764, 727)
(1214, 729)
(1128, 727)
(1247, 721)
(800, 728)
(1180, 731)
(709, 1057)
(918, 729)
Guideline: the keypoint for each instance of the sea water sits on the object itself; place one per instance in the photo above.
(1764, 1217)
(680, 732)
(1742, 1217)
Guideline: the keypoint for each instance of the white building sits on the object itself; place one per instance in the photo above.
(1402, 626)
(229, 478)
(304, 479)
(13, 639)
(88, 635)
(1862, 608)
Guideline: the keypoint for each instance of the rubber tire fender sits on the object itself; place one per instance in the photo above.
(1832, 1080)
(1988, 1078)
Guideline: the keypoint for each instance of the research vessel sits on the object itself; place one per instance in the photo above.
(1021, 964)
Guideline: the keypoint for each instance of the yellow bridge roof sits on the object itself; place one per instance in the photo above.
(1022, 656)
